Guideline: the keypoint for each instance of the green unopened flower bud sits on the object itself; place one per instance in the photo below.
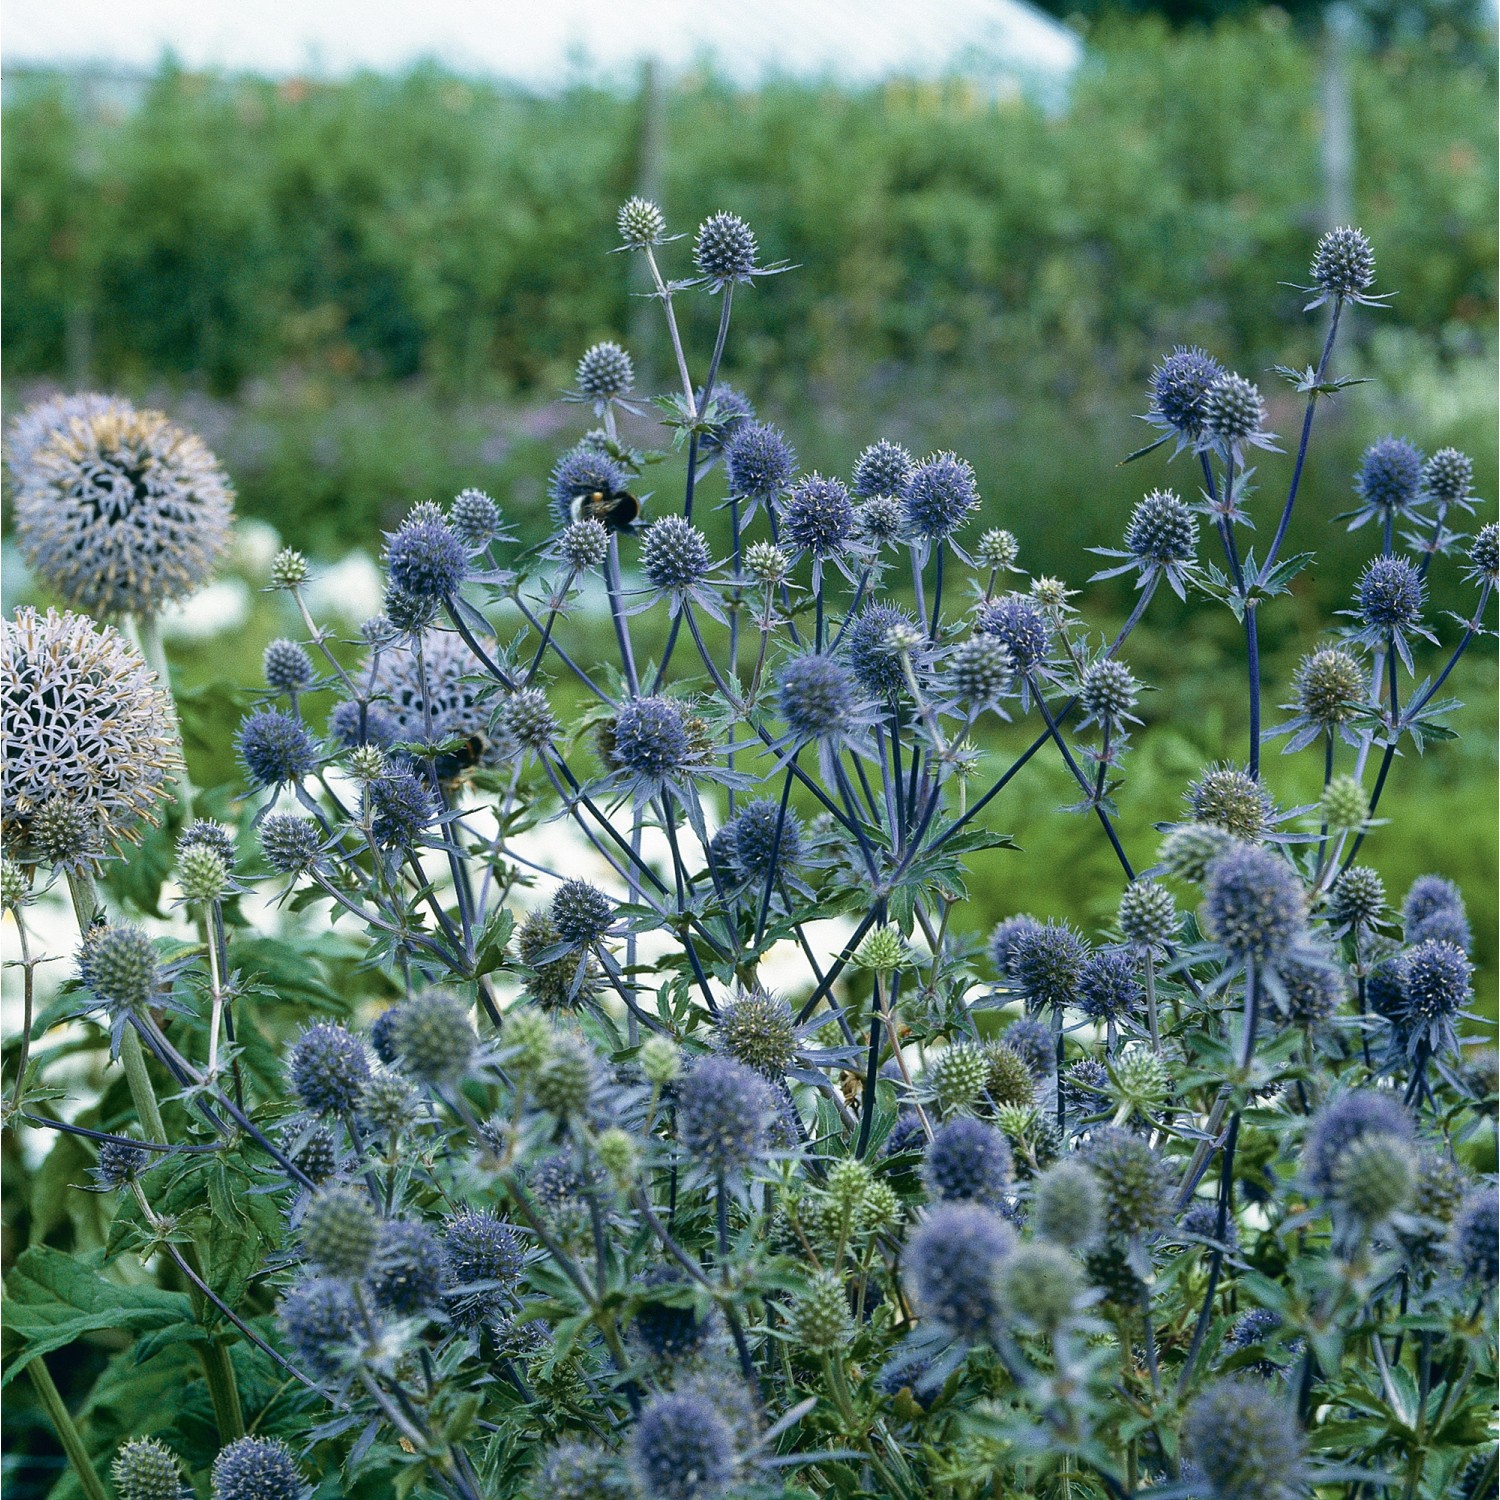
(202, 874)
(1375, 1177)
(145, 1469)
(527, 1037)
(1067, 1208)
(388, 1102)
(661, 1060)
(883, 951)
(996, 549)
(368, 763)
(881, 1209)
(1344, 805)
(766, 563)
(1008, 1079)
(1140, 1080)
(565, 1082)
(957, 1076)
(618, 1155)
(1148, 914)
(288, 569)
(848, 1183)
(1039, 1284)
(1187, 851)
(820, 1316)
(340, 1232)
(14, 892)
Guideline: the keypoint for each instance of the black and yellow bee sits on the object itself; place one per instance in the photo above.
(618, 510)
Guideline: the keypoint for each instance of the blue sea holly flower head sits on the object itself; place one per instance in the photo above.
(1388, 483)
(276, 749)
(475, 520)
(605, 377)
(724, 1110)
(677, 564)
(1389, 599)
(1343, 269)
(878, 667)
(821, 702)
(952, 1263)
(1020, 622)
(1447, 479)
(683, 1448)
(759, 465)
(1044, 963)
(1179, 386)
(424, 557)
(1437, 985)
(941, 494)
(120, 511)
(254, 1468)
(1484, 557)
(818, 518)
(1244, 1437)
(1234, 418)
(726, 254)
(146, 1469)
(1161, 541)
(1330, 696)
(583, 471)
(125, 978)
(1254, 912)
(883, 469)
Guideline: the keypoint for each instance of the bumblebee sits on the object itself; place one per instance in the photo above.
(618, 510)
(452, 764)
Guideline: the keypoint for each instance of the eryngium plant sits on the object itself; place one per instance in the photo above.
(611, 1174)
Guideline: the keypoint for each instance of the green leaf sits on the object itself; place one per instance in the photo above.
(51, 1299)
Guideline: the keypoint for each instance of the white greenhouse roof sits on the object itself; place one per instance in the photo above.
(540, 44)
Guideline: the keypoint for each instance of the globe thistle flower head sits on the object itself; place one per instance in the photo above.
(146, 1469)
(1001, 944)
(1234, 415)
(1047, 964)
(43, 420)
(328, 1068)
(1357, 898)
(1148, 914)
(253, 1468)
(605, 373)
(1344, 1120)
(1254, 906)
(1179, 388)
(675, 556)
(968, 1161)
(425, 558)
(407, 1277)
(1447, 478)
(682, 1448)
(882, 469)
(759, 463)
(1484, 556)
(400, 805)
(340, 1231)
(1021, 623)
(1031, 1039)
(1437, 981)
(761, 842)
(85, 727)
(759, 1030)
(1344, 805)
(433, 1039)
(1231, 799)
(286, 667)
(1329, 686)
(819, 698)
(1066, 1206)
(482, 1258)
(1388, 482)
(1312, 990)
(724, 250)
(876, 667)
(474, 518)
(731, 410)
(289, 844)
(120, 511)
(952, 1265)
(1245, 1439)
(1373, 1178)
(980, 670)
(1428, 895)
(1108, 988)
(1343, 265)
(1162, 530)
(819, 1316)
(276, 748)
(431, 690)
(525, 719)
(940, 495)
(581, 912)
(641, 223)
(818, 517)
(723, 1112)
(1189, 849)
(1390, 594)
(1108, 692)
(1475, 1242)
(1136, 1185)
(120, 970)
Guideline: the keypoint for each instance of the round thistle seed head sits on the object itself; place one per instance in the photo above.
(618, 1155)
(683, 1449)
(407, 1278)
(1254, 906)
(1162, 530)
(84, 726)
(605, 372)
(120, 970)
(968, 1161)
(876, 667)
(289, 569)
(409, 614)
(1031, 1039)
(328, 1068)
(641, 223)
(1475, 1241)
(425, 559)
(1437, 980)
(574, 1471)
(1351, 1117)
(759, 462)
(122, 512)
(474, 518)
(583, 470)
(1329, 686)
(817, 697)
(275, 748)
(1141, 1078)
(724, 249)
(584, 544)
(1245, 1439)
(581, 912)
(145, 1469)
(320, 1319)
(882, 469)
(202, 875)
(340, 1231)
(1135, 1184)
(1390, 594)
(1021, 623)
(312, 1147)
(766, 563)
(759, 1030)
(1374, 1177)
(1108, 691)
(1107, 986)
(952, 1265)
(1314, 991)
(564, 1084)
(1484, 555)
(1148, 915)
(957, 1076)
(1231, 799)
(1344, 804)
(1108, 1268)
(1344, 262)
(1066, 1205)
(1390, 475)
(1447, 476)
(675, 554)
(254, 1468)
(1009, 1079)
(981, 669)
(1039, 1287)
(286, 666)
(1233, 409)
(1046, 964)
(401, 804)
(660, 1059)
(433, 1039)
(481, 1252)
(1428, 895)
(289, 845)
(723, 1112)
(941, 493)
(651, 737)
(1085, 1085)
(818, 516)
(1179, 388)
(388, 1101)
(1189, 849)
(820, 1318)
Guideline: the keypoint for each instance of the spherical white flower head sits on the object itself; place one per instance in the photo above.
(86, 724)
(120, 511)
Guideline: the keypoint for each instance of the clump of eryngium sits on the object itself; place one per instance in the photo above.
(649, 1089)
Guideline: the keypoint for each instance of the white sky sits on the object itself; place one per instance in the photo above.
(534, 41)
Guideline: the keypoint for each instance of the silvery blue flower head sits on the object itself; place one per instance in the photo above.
(1484, 557)
(483, 1258)
(1019, 621)
(120, 511)
(760, 841)
(951, 1265)
(1437, 983)
(1234, 417)
(818, 518)
(725, 250)
(759, 463)
(400, 805)
(1178, 388)
(1254, 907)
(253, 1468)
(1108, 986)
(1447, 478)
(124, 976)
(1346, 1119)
(328, 1068)
(882, 469)
(723, 1112)
(1389, 482)
(941, 493)
(1388, 606)
(683, 1449)
(676, 560)
(1245, 1439)
(877, 668)
(1161, 541)
(1343, 266)
(407, 1279)
(1045, 962)
(425, 557)
(583, 470)
(605, 374)
(821, 703)
(276, 748)
(968, 1161)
